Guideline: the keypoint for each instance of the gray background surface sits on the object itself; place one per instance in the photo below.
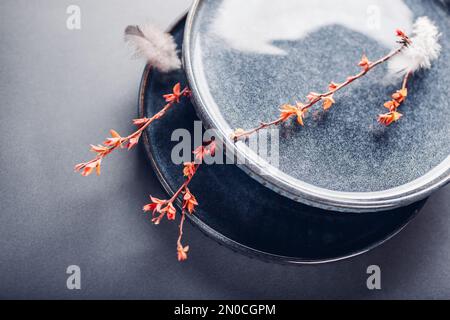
(62, 90)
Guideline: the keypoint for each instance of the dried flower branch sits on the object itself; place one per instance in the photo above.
(118, 142)
(300, 110)
(166, 208)
(425, 34)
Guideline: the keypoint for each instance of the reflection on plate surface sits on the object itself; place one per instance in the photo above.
(253, 25)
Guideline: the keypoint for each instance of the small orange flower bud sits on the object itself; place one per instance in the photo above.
(189, 201)
(389, 118)
(140, 122)
(182, 253)
(187, 93)
(312, 96)
(400, 95)
(189, 169)
(175, 96)
(364, 63)
(100, 150)
(155, 205)
(403, 36)
(170, 211)
(134, 140)
(328, 102)
(400, 33)
(210, 149)
(333, 86)
(392, 105)
(115, 141)
(287, 111)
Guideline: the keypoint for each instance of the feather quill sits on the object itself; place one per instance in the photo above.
(157, 47)
(425, 48)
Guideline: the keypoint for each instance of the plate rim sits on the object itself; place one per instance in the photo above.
(224, 240)
(296, 189)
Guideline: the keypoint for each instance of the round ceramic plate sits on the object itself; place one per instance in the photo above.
(241, 213)
(244, 59)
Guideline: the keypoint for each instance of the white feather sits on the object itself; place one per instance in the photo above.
(157, 47)
(425, 48)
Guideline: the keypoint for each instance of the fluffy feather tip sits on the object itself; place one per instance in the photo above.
(425, 49)
(157, 47)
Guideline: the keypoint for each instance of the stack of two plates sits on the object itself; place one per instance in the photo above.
(343, 184)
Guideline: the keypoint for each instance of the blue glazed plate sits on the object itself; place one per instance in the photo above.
(244, 215)
(244, 59)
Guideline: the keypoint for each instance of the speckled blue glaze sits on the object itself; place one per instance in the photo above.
(343, 150)
(242, 214)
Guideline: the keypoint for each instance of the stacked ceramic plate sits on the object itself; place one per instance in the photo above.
(342, 184)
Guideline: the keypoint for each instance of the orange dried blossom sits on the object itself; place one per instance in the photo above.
(328, 102)
(189, 201)
(182, 253)
(365, 63)
(397, 99)
(288, 111)
(189, 169)
(389, 118)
